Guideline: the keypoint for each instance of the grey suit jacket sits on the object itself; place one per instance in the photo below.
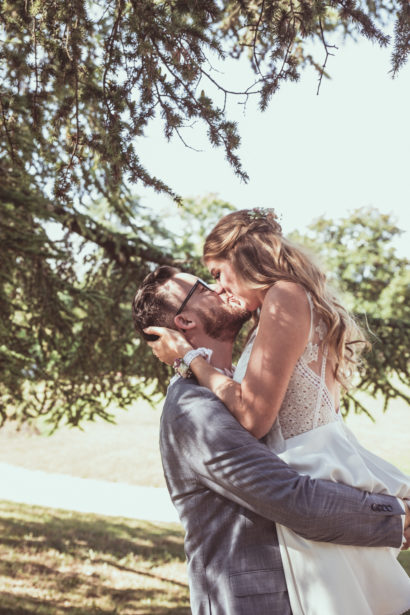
(229, 489)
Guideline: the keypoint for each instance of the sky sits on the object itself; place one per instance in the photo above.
(307, 155)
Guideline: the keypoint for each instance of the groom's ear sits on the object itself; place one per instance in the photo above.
(183, 323)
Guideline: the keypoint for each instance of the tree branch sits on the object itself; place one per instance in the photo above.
(118, 246)
(327, 47)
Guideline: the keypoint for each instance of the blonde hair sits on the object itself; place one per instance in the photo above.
(252, 241)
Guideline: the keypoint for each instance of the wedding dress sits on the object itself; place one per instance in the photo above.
(310, 435)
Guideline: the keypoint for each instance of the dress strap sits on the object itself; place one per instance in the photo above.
(309, 298)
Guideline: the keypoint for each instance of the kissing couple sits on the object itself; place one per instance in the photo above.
(284, 511)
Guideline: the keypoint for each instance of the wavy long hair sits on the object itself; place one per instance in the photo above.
(252, 241)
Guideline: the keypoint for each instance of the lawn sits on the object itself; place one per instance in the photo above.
(61, 563)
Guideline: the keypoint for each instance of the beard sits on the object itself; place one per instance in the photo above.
(224, 321)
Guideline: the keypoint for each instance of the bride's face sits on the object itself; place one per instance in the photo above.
(235, 288)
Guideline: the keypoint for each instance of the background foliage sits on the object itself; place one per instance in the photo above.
(359, 254)
(67, 345)
(80, 82)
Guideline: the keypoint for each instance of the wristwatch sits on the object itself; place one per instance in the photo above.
(181, 365)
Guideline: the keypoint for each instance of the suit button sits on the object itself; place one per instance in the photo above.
(389, 508)
(375, 507)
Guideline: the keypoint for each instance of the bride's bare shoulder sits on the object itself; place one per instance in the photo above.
(289, 296)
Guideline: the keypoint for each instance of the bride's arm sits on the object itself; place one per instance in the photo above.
(282, 336)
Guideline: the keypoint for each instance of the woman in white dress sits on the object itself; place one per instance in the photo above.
(286, 388)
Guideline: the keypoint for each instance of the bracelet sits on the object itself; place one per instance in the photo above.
(181, 369)
(206, 353)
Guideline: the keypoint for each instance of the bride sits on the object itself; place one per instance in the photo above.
(286, 389)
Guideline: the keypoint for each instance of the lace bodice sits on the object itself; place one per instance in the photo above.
(307, 403)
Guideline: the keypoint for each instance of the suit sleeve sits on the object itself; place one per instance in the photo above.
(230, 461)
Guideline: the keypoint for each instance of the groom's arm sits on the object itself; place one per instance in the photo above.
(230, 461)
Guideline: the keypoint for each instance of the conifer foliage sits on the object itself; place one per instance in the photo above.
(82, 79)
(80, 82)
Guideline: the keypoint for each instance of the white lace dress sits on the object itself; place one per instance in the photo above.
(310, 435)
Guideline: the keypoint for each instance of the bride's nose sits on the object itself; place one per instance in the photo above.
(217, 288)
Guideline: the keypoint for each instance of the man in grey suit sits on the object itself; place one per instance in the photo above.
(228, 488)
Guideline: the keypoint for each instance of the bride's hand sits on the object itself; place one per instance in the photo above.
(171, 344)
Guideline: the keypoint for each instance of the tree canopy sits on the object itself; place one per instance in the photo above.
(80, 83)
(82, 80)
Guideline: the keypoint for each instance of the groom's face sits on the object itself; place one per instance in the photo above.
(220, 318)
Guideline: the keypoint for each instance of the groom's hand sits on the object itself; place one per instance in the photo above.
(170, 345)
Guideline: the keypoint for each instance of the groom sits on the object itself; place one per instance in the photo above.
(228, 488)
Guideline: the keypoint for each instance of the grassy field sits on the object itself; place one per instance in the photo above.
(62, 563)
(126, 452)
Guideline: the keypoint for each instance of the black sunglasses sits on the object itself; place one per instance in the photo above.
(199, 282)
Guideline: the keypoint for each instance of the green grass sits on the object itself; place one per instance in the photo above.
(126, 452)
(61, 563)
(404, 559)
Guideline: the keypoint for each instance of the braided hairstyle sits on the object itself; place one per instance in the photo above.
(253, 243)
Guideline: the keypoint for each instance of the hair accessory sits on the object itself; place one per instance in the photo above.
(268, 214)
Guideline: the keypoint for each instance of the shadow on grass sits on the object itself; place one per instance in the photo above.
(62, 563)
(24, 605)
(70, 533)
(139, 572)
